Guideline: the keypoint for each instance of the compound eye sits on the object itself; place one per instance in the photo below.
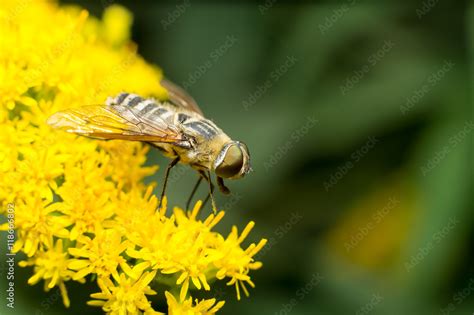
(232, 163)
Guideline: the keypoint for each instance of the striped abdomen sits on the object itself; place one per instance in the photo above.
(189, 122)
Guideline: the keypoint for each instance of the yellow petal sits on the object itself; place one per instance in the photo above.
(28, 101)
(77, 264)
(82, 273)
(246, 231)
(181, 278)
(196, 282)
(96, 303)
(184, 290)
(203, 279)
(138, 269)
(64, 295)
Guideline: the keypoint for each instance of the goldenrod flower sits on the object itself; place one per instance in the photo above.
(234, 262)
(126, 295)
(186, 307)
(36, 226)
(51, 266)
(101, 255)
(81, 209)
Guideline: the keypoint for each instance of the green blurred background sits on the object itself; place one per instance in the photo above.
(358, 116)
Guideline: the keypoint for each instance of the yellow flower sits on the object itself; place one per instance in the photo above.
(51, 266)
(86, 195)
(126, 295)
(178, 245)
(117, 22)
(234, 262)
(133, 209)
(188, 247)
(36, 225)
(102, 254)
(129, 153)
(186, 307)
(81, 208)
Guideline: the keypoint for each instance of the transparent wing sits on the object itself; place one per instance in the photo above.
(180, 97)
(113, 122)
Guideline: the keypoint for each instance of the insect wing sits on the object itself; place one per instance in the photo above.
(113, 122)
(180, 97)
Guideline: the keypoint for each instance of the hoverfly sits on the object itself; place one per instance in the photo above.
(176, 127)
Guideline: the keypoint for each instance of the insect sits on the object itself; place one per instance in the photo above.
(176, 127)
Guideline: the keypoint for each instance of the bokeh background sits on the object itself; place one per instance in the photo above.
(358, 116)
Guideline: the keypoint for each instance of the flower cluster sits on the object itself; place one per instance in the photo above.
(79, 214)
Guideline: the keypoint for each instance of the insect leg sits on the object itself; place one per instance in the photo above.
(194, 191)
(211, 190)
(222, 187)
(203, 174)
(170, 166)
